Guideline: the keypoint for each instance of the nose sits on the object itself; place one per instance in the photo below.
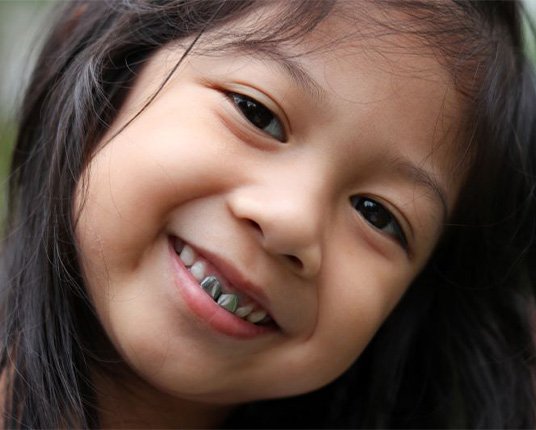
(287, 224)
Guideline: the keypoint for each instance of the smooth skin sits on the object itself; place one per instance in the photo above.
(287, 204)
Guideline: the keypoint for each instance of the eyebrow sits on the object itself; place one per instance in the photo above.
(294, 70)
(424, 179)
(303, 80)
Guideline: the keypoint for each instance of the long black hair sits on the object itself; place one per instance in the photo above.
(456, 352)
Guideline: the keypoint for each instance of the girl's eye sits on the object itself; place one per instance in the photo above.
(375, 214)
(260, 116)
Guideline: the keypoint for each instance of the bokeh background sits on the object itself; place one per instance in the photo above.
(23, 26)
(23, 23)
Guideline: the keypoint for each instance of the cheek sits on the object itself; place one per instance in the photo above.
(123, 207)
(135, 184)
(354, 301)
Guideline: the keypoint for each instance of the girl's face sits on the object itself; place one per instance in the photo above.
(314, 189)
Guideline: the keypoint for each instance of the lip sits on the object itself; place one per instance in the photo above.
(205, 309)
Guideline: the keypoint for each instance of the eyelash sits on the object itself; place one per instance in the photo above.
(380, 218)
(259, 116)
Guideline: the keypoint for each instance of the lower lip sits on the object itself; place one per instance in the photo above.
(206, 309)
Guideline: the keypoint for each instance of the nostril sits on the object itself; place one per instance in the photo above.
(295, 261)
(255, 225)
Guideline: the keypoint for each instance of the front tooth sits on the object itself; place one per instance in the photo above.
(244, 311)
(228, 302)
(187, 255)
(198, 270)
(256, 316)
(212, 286)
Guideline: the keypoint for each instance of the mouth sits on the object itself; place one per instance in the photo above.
(224, 293)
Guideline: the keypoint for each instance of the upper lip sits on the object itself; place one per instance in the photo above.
(236, 278)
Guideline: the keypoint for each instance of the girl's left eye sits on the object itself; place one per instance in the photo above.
(380, 218)
(260, 116)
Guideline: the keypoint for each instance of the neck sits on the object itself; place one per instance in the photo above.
(132, 403)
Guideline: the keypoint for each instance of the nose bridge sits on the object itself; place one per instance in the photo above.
(296, 206)
(287, 210)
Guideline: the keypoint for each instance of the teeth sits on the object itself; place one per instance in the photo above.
(256, 316)
(187, 256)
(228, 302)
(244, 311)
(212, 286)
(198, 270)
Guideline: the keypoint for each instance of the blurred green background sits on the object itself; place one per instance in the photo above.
(22, 26)
(22, 23)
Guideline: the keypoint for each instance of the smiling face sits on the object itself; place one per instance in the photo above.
(314, 189)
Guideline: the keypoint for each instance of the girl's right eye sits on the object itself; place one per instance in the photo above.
(260, 116)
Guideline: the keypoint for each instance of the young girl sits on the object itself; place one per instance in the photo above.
(273, 214)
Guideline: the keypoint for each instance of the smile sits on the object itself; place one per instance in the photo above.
(219, 289)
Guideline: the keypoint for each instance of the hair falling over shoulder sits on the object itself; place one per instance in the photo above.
(458, 349)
